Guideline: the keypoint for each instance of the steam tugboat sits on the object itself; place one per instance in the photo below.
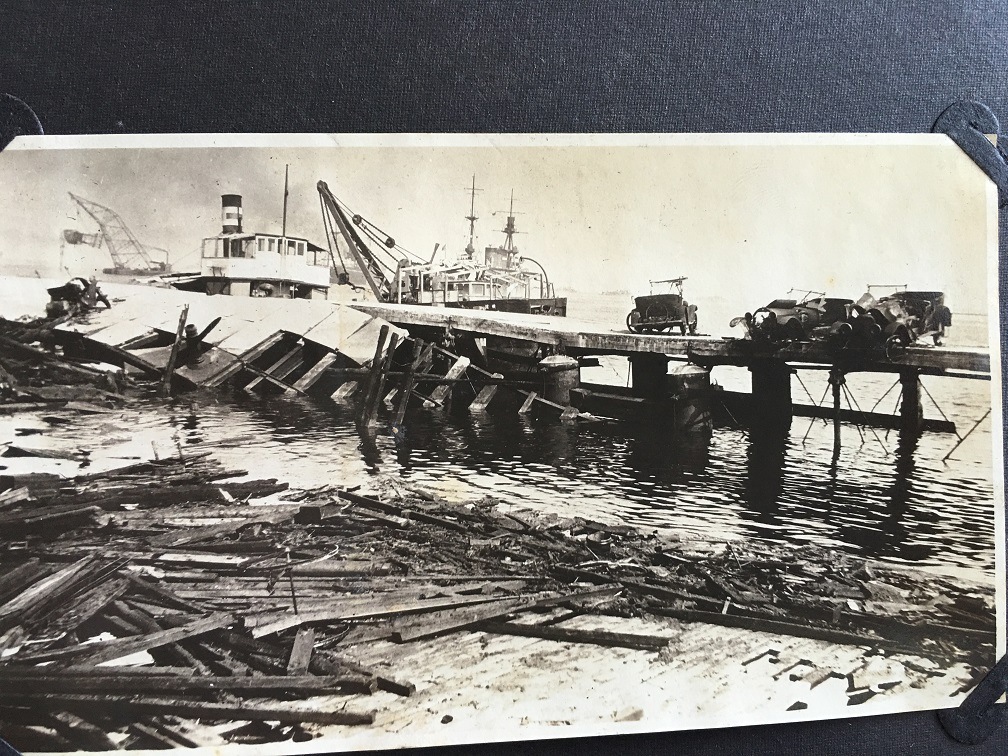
(251, 264)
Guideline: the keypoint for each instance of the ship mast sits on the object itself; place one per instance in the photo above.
(470, 249)
(509, 227)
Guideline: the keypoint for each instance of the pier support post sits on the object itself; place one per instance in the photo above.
(690, 386)
(911, 410)
(771, 392)
(836, 381)
(560, 374)
(649, 375)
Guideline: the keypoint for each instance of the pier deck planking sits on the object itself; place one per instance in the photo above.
(578, 337)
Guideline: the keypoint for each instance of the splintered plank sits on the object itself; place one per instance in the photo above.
(436, 623)
(314, 373)
(253, 710)
(103, 651)
(43, 590)
(440, 394)
(88, 605)
(573, 635)
(81, 732)
(354, 609)
(169, 370)
(301, 651)
(421, 354)
(40, 681)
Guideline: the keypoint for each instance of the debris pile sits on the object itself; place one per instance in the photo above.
(34, 371)
(138, 602)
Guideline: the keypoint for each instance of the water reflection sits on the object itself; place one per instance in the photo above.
(901, 505)
(765, 457)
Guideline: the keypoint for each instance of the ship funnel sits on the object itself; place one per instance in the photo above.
(231, 213)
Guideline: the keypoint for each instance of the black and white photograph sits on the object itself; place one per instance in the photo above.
(349, 442)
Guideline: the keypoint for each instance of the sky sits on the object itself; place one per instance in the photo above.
(741, 217)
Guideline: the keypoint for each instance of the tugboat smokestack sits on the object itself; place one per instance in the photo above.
(231, 213)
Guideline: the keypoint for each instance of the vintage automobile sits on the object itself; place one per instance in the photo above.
(801, 319)
(897, 320)
(659, 312)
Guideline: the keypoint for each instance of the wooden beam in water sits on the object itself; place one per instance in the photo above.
(165, 389)
(483, 398)
(244, 360)
(440, 394)
(530, 397)
(385, 367)
(307, 380)
(345, 391)
(282, 367)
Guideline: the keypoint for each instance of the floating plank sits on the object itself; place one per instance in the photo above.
(440, 394)
(307, 380)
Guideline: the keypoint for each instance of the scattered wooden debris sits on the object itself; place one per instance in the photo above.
(167, 591)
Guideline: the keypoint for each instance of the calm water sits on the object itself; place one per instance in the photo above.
(877, 499)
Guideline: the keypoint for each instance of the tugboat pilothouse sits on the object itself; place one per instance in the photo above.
(247, 264)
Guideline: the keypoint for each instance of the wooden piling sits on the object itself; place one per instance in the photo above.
(836, 380)
(771, 391)
(386, 365)
(911, 409)
(376, 366)
(649, 375)
(165, 389)
(420, 353)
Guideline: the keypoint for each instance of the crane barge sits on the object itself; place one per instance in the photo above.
(129, 255)
(499, 280)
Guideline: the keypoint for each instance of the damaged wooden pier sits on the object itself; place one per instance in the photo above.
(175, 602)
(392, 355)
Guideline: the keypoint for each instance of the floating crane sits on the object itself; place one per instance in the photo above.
(383, 267)
(128, 254)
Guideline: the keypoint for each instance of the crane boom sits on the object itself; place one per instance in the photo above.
(366, 260)
(123, 246)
